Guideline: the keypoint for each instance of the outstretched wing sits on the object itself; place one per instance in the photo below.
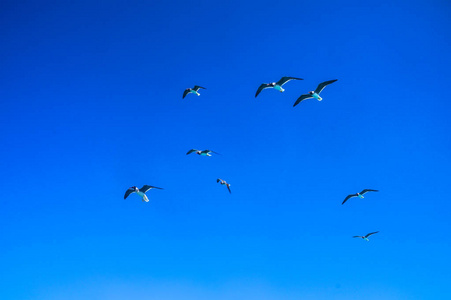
(191, 151)
(367, 190)
(228, 187)
(196, 88)
(357, 236)
(349, 196)
(128, 192)
(322, 85)
(261, 88)
(218, 180)
(185, 93)
(302, 97)
(371, 234)
(146, 187)
(208, 151)
(285, 79)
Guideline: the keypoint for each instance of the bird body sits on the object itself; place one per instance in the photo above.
(143, 196)
(360, 195)
(141, 192)
(365, 237)
(314, 94)
(276, 85)
(193, 90)
(223, 182)
(201, 152)
(279, 88)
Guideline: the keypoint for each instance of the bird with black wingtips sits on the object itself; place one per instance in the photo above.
(201, 152)
(141, 192)
(360, 195)
(365, 237)
(192, 91)
(223, 182)
(276, 85)
(315, 93)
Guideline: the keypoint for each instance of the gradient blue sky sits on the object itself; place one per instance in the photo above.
(91, 104)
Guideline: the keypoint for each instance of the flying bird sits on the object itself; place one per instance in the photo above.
(223, 182)
(366, 236)
(360, 195)
(276, 85)
(315, 93)
(141, 192)
(201, 152)
(193, 91)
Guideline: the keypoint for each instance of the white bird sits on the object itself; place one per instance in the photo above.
(141, 192)
(276, 85)
(365, 237)
(360, 195)
(201, 152)
(315, 93)
(193, 90)
(223, 182)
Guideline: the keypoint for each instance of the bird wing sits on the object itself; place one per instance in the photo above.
(371, 234)
(367, 190)
(322, 85)
(285, 79)
(146, 187)
(349, 196)
(208, 151)
(218, 180)
(302, 97)
(191, 151)
(128, 192)
(196, 88)
(185, 93)
(357, 236)
(228, 187)
(261, 88)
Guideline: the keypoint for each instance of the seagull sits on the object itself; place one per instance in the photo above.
(366, 236)
(360, 195)
(201, 152)
(193, 90)
(223, 182)
(276, 85)
(315, 93)
(141, 192)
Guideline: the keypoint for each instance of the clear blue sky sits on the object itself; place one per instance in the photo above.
(91, 104)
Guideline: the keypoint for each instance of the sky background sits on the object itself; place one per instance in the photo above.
(91, 104)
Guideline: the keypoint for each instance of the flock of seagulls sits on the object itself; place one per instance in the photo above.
(277, 86)
(360, 195)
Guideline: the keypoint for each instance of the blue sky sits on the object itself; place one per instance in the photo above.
(91, 104)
